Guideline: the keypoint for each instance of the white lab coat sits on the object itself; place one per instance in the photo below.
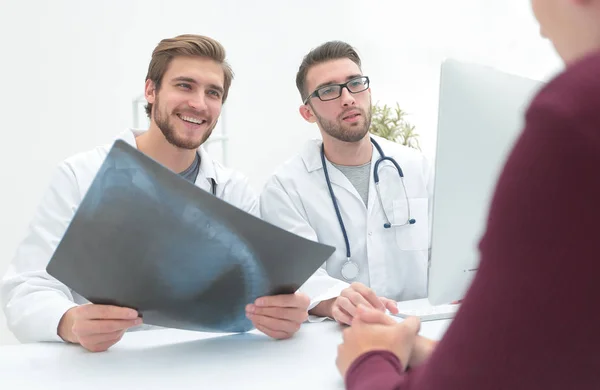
(393, 262)
(33, 301)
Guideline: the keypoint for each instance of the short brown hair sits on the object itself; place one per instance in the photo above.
(188, 45)
(328, 51)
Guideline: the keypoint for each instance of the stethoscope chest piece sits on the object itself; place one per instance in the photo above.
(349, 270)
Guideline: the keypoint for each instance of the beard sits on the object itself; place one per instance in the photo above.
(162, 120)
(346, 132)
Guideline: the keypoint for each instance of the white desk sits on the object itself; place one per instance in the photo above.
(174, 359)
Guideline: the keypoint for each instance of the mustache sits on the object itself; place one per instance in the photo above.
(192, 112)
(359, 110)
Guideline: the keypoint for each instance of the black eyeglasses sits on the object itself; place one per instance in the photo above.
(334, 91)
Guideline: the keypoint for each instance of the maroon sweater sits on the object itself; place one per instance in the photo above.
(531, 318)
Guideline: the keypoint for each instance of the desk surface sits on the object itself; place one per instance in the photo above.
(176, 359)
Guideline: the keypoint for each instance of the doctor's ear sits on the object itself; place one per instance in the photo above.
(307, 113)
(150, 91)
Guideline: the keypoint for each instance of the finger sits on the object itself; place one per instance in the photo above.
(285, 313)
(368, 294)
(355, 298)
(89, 327)
(298, 300)
(96, 339)
(276, 334)
(389, 304)
(106, 312)
(345, 304)
(100, 347)
(372, 316)
(341, 316)
(275, 324)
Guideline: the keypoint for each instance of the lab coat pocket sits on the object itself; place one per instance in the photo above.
(416, 236)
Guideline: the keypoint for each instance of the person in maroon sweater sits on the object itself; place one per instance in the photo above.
(531, 318)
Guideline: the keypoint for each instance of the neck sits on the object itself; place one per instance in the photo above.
(153, 144)
(582, 49)
(348, 153)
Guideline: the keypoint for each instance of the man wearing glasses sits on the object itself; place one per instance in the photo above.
(366, 196)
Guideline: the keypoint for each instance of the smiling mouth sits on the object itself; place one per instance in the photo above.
(190, 119)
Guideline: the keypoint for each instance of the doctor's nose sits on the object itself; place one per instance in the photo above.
(198, 102)
(347, 98)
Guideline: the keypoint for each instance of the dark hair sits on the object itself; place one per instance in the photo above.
(187, 45)
(328, 51)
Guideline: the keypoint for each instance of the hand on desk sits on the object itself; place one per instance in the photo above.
(374, 330)
(279, 316)
(343, 308)
(96, 327)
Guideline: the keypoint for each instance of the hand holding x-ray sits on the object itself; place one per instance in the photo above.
(96, 327)
(279, 316)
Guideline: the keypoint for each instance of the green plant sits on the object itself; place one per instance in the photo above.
(390, 123)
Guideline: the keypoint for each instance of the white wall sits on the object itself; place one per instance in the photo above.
(70, 70)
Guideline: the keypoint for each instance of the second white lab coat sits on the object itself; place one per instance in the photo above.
(33, 301)
(394, 261)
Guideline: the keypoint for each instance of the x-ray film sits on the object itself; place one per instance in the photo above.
(143, 237)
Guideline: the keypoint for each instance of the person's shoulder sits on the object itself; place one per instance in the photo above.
(573, 94)
(236, 188)
(399, 151)
(91, 159)
(307, 159)
(87, 161)
(226, 174)
(74, 174)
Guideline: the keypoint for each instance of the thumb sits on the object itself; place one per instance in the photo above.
(373, 316)
(408, 334)
(391, 305)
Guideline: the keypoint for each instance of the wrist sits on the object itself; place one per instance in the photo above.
(422, 349)
(65, 328)
(323, 309)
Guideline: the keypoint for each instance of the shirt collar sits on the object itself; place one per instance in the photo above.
(207, 164)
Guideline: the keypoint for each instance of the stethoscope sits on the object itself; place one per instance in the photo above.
(213, 186)
(350, 269)
(213, 183)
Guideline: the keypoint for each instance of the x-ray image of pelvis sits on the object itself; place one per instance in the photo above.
(146, 238)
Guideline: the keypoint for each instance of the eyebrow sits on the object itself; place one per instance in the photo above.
(192, 81)
(333, 82)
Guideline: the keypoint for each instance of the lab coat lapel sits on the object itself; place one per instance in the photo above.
(339, 181)
(311, 155)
